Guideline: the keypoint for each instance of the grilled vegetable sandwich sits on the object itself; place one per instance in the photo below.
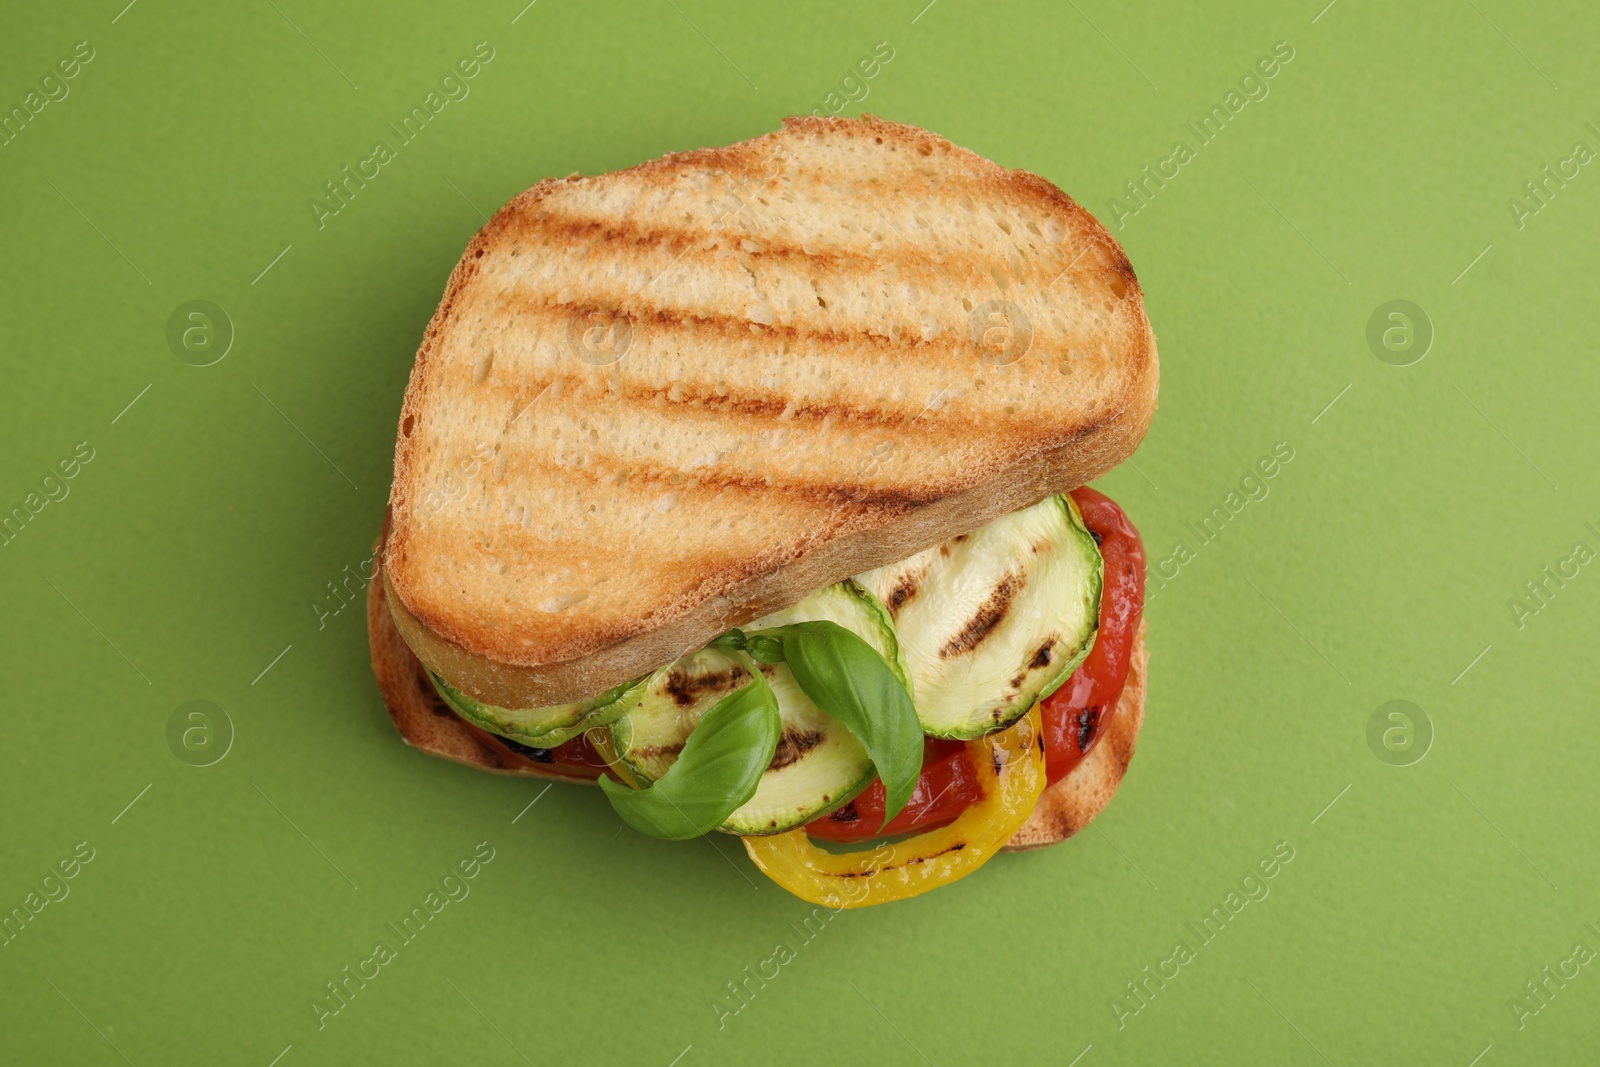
(748, 483)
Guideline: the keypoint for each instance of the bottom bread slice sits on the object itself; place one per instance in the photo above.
(1066, 807)
(427, 723)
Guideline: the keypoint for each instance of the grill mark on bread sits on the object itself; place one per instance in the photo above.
(945, 285)
(768, 407)
(950, 340)
(601, 233)
(989, 615)
(603, 471)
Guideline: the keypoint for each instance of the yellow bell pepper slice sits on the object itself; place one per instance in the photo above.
(1010, 768)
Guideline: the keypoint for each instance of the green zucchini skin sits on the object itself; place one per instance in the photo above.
(537, 727)
(992, 621)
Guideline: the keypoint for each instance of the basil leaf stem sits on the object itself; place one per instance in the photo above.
(764, 648)
(731, 641)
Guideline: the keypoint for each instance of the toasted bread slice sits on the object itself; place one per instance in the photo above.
(427, 723)
(662, 402)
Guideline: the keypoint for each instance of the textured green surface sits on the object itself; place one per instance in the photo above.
(1380, 565)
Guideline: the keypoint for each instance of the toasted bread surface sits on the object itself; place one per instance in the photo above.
(427, 723)
(658, 403)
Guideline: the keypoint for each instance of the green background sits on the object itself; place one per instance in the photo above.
(1380, 566)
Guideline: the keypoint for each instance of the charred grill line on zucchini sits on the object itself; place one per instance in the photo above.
(818, 764)
(994, 620)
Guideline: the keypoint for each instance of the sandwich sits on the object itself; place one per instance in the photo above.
(749, 484)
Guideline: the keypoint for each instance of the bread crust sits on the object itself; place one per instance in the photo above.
(495, 662)
(427, 723)
(424, 720)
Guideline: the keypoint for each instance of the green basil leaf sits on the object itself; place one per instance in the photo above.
(851, 681)
(718, 770)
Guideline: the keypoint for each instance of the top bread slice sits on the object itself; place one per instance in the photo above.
(659, 403)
